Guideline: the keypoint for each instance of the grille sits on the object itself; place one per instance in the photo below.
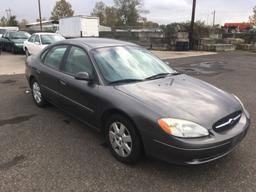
(227, 122)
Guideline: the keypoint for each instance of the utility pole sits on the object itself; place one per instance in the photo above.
(214, 15)
(40, 16)
(191, 34)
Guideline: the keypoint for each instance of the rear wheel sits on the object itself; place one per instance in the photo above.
(37, 94)
(123, 139)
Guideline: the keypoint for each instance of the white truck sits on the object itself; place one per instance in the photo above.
(79, 26)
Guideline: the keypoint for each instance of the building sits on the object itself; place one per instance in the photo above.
(51, 26)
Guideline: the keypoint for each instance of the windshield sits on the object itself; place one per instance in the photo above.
(49, 39)
(19, 35)
(133, 63)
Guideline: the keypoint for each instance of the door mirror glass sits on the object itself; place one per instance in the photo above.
(83, 76)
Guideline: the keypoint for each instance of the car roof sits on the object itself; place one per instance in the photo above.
(44, 33)
(92, 43)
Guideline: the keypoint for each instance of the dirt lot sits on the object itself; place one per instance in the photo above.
(46, 150)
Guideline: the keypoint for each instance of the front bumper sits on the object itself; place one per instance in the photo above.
(200, 150)
(18, 48)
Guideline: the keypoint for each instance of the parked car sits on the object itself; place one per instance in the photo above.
(2, 31)
(38, 41)
(13, 41)
(139, 103)
(7, 28)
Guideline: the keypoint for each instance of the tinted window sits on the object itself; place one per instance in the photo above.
(37, 39)
(77, 61)
(54, 57)
(6, 35)
(31, 39)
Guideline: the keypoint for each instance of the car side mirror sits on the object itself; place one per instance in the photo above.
(83, 76)
(37, 43)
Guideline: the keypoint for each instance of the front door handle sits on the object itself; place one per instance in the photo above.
(36, 70)
(62, 82)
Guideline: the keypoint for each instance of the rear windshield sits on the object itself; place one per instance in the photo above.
(49, 39)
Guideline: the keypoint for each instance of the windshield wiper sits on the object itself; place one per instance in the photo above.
(126, 81)
(157, 76)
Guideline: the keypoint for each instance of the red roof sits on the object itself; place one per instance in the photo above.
(240, 25)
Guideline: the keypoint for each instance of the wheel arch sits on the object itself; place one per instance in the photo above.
(31, 78)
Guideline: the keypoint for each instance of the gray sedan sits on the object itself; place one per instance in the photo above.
(139, 103)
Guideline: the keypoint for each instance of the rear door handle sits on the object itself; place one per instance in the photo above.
(62, 82)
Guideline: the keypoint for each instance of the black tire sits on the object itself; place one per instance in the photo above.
(39, 102)
(136, 145)
(13, 50)
(27, 52)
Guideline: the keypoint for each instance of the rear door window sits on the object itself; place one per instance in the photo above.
(54, 58)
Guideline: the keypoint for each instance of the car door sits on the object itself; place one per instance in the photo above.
(37, 45)
(81, 95)
(6, 42)
(49, 74)
(29, 44)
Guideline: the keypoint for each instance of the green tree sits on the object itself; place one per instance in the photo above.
(12, 21)
(61, 9)
(99, 11)
(111, 17)
(128, 11)
(253, 17)
(3, 21)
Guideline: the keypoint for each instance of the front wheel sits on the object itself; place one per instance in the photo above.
(27, 53)
(123, 139)
(37, 94)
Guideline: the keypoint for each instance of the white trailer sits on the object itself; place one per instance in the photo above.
(79, 26)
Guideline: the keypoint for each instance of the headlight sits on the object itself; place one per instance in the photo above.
(182, 128)
(238, 100)
(18, 44)
(245, 111)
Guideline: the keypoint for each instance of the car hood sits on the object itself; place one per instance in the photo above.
(18, 41)
(183, 97)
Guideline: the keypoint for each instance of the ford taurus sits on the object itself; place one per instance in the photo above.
(137, 101)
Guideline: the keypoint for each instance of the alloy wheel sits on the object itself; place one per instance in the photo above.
(120, 139)
(36, 92)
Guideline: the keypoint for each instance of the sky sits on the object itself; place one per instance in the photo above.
(160, 11)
